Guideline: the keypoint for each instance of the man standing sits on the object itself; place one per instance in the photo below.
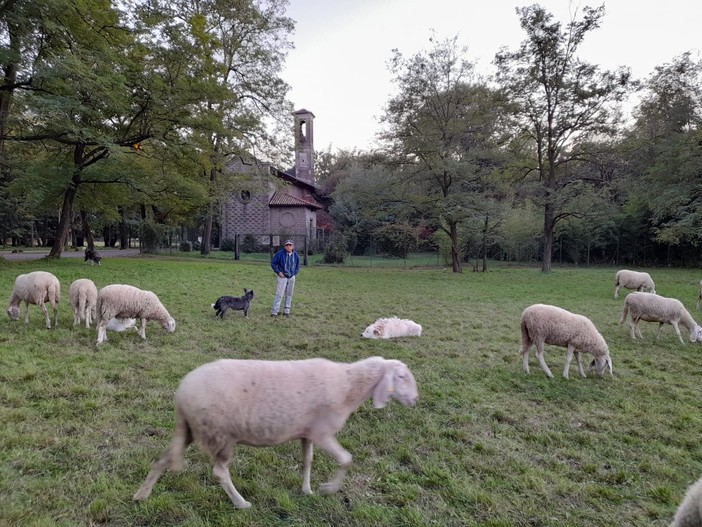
(285, 264)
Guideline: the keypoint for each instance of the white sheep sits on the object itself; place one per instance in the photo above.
(699, 297)
(83, 294)
(387, 328)
(37, 287)
(689, 513)
(544, 324)
(266, 403)
(633, 280)
(126, 301)
(655, 308)
(121, 324)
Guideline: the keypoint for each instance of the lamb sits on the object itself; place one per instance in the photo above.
(266, 403)
(387, 328)
(656, 308)
(689, 513)
(552, 325)
(633, 280)
(126, 301)
(83, 294)
(121, 324)
(37, 287)
(699, 297)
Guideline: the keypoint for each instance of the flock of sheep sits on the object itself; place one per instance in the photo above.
(265, 403)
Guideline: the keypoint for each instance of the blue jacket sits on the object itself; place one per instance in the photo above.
(289, 265)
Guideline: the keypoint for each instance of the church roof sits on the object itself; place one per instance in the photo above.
(281, 199)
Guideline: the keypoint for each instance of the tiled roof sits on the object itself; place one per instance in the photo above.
(281, 199)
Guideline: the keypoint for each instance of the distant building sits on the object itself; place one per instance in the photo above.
(282, 212)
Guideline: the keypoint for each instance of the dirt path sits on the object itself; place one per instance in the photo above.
(36, 255)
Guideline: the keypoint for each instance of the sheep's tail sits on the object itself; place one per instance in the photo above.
(526, 339)
(81, 304)
(624, 313)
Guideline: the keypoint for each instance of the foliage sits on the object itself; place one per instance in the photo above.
(248, 245)
(485, 445)
(186, 246)
(151, 236)
(395, 239)
(335, 250)
(227, 244)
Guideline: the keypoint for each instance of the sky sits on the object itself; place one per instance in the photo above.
(338, 69)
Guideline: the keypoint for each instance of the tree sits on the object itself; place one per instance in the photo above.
(559, 103)
(441, 127)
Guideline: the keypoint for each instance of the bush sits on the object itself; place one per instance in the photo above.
(249, 244)
(186, 246)
(196, 246)
(396, 239)
(335, 251)
(227, 245)
(152, 236)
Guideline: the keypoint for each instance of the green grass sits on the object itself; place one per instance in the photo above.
(487, 445)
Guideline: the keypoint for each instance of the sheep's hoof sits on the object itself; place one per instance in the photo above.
(307, 491)
(243, 505)
(328, 488)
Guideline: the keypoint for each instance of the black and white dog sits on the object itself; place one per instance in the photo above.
(237, 303)
(93, 256)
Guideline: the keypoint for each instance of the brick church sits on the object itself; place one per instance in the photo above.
(271, 212)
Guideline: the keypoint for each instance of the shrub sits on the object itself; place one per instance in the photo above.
(396, 239)
(227, 245)
(151, 236)
(249, 244)
(186, 246)
(335, 251)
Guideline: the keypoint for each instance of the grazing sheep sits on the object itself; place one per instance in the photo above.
(699, 297)
(543, 324)
(266, 403)
(633, 280)
(37, 287)
(655, 308)
(689, 513)
(83, 294)
(126, 301)
(387, 328)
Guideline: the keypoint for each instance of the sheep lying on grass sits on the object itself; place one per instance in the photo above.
(388, 328)
(655, 308)
(543, 324)
(126, 301)
(633, 280)
(83, 294)
(37, 287)
(266, 403)
(689, 513)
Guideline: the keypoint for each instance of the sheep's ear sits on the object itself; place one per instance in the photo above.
(609, 364)
(384, 388)
(376, 331)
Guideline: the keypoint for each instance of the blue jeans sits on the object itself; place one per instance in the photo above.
(285, 287)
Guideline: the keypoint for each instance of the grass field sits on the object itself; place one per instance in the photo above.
(486, 445)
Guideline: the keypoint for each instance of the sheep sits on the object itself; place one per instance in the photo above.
(126, 301)
(37, 287)
(83, 294)
(699, 297)
(121, 324)
(633, 280)
(387, 328)
(655, 308)
(552, 325)
(689, 513)
(266, 403)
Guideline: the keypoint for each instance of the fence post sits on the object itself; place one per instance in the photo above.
(237, 254)
(304, 259)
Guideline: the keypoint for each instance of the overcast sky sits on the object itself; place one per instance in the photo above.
(338, 69)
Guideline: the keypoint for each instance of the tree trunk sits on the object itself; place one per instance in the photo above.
(206, 244)
(455, 259)
(548, 238)
(485, 231)
(86, 231)
(64, 222)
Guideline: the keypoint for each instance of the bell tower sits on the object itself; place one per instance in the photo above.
(304, 145)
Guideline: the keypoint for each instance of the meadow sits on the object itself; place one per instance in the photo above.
(487, 445)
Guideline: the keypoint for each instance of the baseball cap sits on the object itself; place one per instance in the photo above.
(289, 242)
